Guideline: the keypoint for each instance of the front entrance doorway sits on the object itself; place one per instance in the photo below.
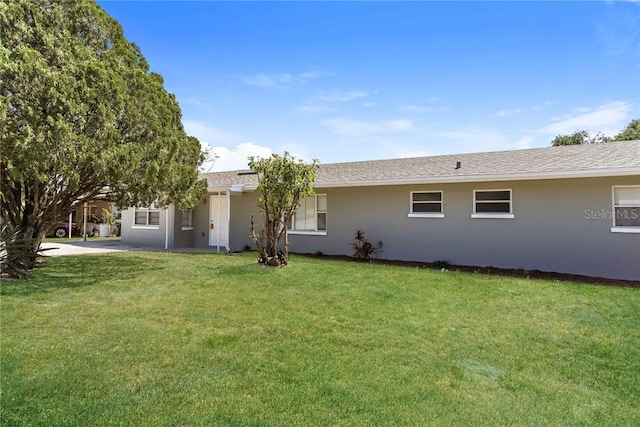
(219, 220)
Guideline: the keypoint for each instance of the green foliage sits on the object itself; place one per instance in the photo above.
(282, 183)
(80, 112)
(576, 138)
(441, 264)
(109, 218)
(631, 132)
(158, 339)
(363, 249)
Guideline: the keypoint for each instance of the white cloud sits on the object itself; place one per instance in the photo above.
(474, 140)
(311, 75)
(608, 118)
(341, 95)
(432, 104)
(423, 108)
(506, 113)
(315, 107)
(400, 149)
(521, 110)
(217, 143)
(279, 80)
(415, 108)
(270, 81)
(208, 134)
(236, 157)
(351, 127)
(525, 142)
(321, 102)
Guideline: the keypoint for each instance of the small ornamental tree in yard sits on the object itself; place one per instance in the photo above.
(282, 183)
(80, 113)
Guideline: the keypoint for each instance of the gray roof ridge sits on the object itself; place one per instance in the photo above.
(602, 159)
(518, 151)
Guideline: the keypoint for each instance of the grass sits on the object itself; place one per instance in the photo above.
(155, 339)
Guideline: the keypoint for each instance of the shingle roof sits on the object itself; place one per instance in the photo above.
(612, 158)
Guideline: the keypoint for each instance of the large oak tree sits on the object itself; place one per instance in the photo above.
(80, 112)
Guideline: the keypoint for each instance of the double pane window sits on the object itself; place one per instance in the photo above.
(146, 216)
(626, 206)
(492, 201)
(311, 215)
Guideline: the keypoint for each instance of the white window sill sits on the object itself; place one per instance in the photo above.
(426, 215)
(307, 233)
(146, 227)
(625, 230)
(493, 215)
(187, 228)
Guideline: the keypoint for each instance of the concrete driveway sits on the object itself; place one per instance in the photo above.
(76, 247)
(88, 247)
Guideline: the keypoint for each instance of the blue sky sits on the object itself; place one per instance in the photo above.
(346, 81)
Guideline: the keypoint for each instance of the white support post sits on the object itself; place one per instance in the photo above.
(166, 228)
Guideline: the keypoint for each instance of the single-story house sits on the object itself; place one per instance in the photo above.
(571, 209)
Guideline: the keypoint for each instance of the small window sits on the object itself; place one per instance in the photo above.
(626, 209)
(492, 204)
(187, 220)
(146, 217)
(427, 204)
(311, 216)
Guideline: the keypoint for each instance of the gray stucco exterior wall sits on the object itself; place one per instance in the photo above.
(182, 237)
(560, 225)
(157, 237)
(153, 237)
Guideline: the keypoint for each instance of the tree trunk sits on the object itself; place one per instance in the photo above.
(285, 250)
(19, 250)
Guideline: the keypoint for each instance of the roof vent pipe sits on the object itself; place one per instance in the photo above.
(458, 165)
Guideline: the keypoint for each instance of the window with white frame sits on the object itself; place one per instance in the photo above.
(311, 216)
(187, 220)
(146, 216)
(626, 209)
(427, 204)
(492, 204)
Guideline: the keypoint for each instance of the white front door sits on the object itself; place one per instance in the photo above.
(219, 221)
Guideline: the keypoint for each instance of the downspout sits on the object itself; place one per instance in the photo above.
(69, 224)
(227, 237)
(166, 230)
(218, 222)
(84, 220)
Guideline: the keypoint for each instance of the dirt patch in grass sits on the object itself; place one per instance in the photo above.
(521, 273)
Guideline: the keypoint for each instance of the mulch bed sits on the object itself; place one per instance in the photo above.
(528, 274)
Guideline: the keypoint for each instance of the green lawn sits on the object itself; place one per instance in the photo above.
(151, 339)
